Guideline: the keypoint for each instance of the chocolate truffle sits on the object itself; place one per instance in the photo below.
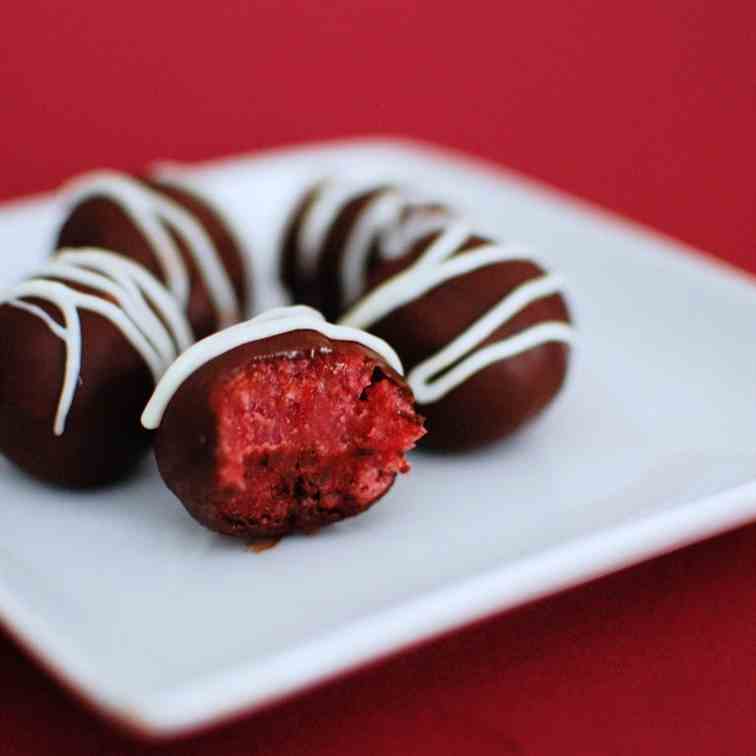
(83, 343)
(333, 230)
(172, 231)
(482, 329)
(86, 339)
(283, 423)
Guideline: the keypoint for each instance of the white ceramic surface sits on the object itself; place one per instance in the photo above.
(167, 626)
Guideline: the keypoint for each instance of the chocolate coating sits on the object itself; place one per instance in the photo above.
(303, 289)
(103, 439)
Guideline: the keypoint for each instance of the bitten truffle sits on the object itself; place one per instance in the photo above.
(483, 330)
(284, 423)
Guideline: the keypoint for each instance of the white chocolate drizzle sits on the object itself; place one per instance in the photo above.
(381, 213)
(155, 216)
(143, 310)
(462, 357)
(271, 323)
(329, 199)
(172, 174)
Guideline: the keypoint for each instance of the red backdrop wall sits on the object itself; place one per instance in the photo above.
(648, 108)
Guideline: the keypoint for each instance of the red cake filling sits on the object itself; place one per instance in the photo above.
(306, 440)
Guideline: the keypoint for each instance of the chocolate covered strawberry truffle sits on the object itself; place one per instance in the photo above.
(84, 341)
(283, 423)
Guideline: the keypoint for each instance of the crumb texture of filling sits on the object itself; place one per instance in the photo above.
(309, 439)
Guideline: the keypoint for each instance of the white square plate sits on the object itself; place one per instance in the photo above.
(166, 626)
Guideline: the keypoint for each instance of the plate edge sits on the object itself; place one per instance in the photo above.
(160, 715)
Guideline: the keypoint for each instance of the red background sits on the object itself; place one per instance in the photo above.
(648, 108)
